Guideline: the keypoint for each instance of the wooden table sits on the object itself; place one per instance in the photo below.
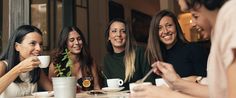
(122, 94)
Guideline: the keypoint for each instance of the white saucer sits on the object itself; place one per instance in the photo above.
(44, 94)
(108, 89)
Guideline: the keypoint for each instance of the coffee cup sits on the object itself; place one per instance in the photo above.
(132, 85)
(44, 59)
(114, 83)
(160, 82)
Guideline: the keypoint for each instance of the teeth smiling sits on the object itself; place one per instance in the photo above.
(167, 36)
(118, 40)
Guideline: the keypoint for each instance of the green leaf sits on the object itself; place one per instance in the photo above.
(61, 70)
(68, 74)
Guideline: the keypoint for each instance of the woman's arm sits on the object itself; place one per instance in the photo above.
(51, 71)
(231, 77)
(24, 66)
(190, 88)
(45, 82)
(167, 72)
(7, 78)
(190, 78)
(157, 92)
(95, 75)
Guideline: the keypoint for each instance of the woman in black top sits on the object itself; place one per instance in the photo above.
(124, 59)
(167, 43)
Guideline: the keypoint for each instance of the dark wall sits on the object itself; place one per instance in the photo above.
(115, 10)
(140, 26)
(68, 12)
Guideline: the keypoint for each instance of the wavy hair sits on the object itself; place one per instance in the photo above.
(85, 59)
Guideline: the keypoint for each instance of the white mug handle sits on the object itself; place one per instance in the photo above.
(121, 82)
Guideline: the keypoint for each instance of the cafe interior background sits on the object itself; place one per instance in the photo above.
(91, 16)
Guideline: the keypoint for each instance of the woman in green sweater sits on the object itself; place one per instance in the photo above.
(124, 59)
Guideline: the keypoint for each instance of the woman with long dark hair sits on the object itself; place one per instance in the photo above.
(221, 64)
(167, 43)
(19, 71)
(72, 40)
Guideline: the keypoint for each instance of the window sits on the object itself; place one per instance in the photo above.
(39, 18)
(140, 26)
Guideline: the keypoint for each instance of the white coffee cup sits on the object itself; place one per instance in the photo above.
(132, 85)
(160, 82)
(114, 83)
(44, 59)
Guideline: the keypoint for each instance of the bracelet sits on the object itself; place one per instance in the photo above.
(198, 79)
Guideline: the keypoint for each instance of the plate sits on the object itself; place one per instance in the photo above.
(44, 94)
(108, 89)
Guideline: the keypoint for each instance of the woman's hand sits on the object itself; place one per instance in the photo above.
(28, 64)
(166, 71)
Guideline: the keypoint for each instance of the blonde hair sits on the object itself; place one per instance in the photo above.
(129, 61)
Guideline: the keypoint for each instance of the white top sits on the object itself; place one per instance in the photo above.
(20, 89)
(221, 54)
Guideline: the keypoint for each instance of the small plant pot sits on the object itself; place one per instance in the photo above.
(64, 87)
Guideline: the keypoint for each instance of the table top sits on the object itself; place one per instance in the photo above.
(121, 94)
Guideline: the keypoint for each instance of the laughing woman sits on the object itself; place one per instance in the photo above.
(19, 71)
(124, 60)
(167, 43)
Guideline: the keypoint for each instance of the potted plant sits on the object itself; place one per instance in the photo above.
(64, 85)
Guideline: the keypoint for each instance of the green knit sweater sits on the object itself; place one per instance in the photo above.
(113, 67)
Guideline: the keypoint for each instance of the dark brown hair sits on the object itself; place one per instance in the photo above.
(153, 51)
(209, 4)
(84, 57)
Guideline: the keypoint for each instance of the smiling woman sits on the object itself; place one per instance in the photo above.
(124, 60)
(72, 43)
(167, 43)
(19, 71)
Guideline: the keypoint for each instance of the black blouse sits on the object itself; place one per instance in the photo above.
(187, 58)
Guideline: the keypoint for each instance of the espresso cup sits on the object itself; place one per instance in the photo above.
(114, 83)
(132, 85)
(44, 59)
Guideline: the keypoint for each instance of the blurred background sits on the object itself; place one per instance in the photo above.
(91, 16)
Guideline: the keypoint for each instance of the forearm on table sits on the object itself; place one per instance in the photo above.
(191, 88)
(176, 94)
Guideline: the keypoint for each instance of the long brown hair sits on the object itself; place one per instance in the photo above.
(84, 58)
(153, 51)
